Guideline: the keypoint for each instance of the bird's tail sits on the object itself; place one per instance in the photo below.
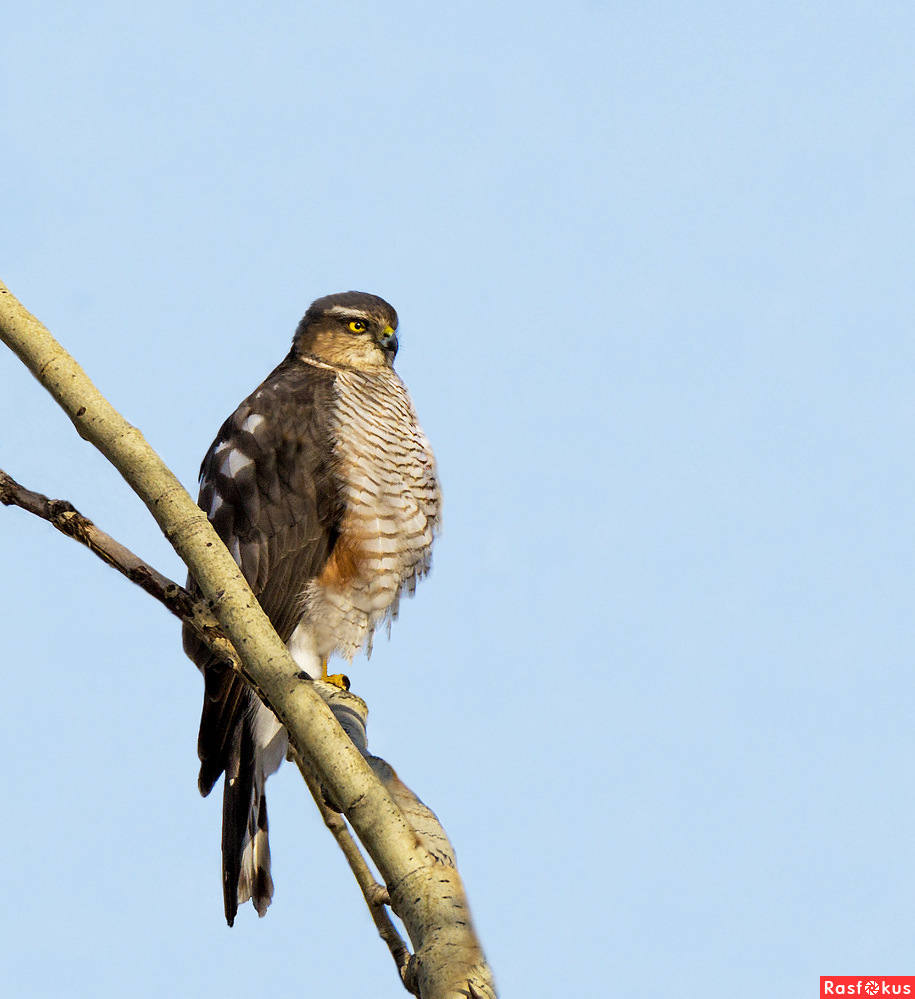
(245, 847)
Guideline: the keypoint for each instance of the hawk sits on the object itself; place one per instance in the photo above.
(323, 487)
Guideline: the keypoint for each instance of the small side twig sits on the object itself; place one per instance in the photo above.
(174, 597)
(375, 895)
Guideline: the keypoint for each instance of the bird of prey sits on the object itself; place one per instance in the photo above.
(323, 487)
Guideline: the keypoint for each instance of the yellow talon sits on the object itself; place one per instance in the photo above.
(340, 680)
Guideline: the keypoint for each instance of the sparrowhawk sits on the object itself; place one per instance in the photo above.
(323, 487)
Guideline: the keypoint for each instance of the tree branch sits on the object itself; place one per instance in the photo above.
(448, 961)
(376, 897)
(174, 597)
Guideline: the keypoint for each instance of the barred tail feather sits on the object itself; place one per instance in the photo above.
(254, 880)
(245, 847)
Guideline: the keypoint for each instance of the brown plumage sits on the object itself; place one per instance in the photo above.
(323, 487)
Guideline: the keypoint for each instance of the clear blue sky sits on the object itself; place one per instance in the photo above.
(653, 263)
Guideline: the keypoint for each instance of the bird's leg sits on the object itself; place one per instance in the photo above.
(337, 679)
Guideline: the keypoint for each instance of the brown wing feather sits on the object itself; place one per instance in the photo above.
(276, 507)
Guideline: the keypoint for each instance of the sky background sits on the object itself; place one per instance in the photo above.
(653, 264)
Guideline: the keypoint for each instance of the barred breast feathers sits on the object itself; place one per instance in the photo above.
(386, 472)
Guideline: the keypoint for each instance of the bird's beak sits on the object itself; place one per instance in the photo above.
(388, 341)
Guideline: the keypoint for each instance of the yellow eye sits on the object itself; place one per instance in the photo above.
(358, 326)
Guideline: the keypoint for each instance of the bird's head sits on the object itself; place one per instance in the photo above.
(351, 328)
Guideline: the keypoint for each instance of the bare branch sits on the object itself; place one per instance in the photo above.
(68, 520)
(174, 597)
(375, 895)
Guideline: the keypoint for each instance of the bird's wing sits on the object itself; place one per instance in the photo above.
(268, 486)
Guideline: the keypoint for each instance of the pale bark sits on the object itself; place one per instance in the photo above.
(426, 894)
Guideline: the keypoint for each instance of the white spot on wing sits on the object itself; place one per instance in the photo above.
(234, 462)
(215, 505)
(252, 422)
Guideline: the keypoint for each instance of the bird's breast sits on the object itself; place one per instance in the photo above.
(386, 475)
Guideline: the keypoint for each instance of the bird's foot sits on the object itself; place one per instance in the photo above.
(336, 679)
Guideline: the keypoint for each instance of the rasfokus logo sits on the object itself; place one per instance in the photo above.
(867, 985)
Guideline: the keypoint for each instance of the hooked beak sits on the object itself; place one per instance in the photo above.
(388, 341)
